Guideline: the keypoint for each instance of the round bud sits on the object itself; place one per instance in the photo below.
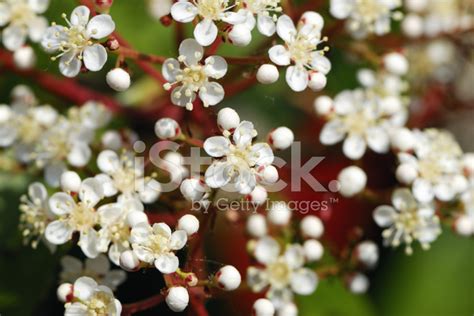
(263, 307)
(412, 25)
(317, 81)
(65, 292)
(24, 58)
(312, 18)
(267, 74)
(269, 174)
(258, 196)
(240, 35)
(159, 8)
(118, 79)
(391, 105)
(167, 128)
(228, 278)
(129, 261)
(228, 119)
(366, 77)
(288, 309)
(192, 189)
(323, 105)
(256, 225)
(367, 253)
(402, 139)
(406, 173)
(70, 181)
(279, 214)
(459, 183)
(177, 298)
(311, 226)
(189, 223)
(103, 4)
(358, 283)
(313, 250)
(112, 140)
(396, 63)
(352, 180)
(5, 113)
(136, 217)
(464, 225)
(281, 138)
(191, 279)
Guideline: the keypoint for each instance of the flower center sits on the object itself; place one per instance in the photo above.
(82, 217)
(300, 50)
(263, 6)
(357, 123)
(370, 11)
(99, 304)
(211, 9)
(430, 169)
(279, 273)
(124, 179)
(21, 14)
(157, 244)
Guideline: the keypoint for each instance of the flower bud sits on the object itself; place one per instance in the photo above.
(159, 8)
(312, 18)
(256, 225)
(177, 298)
(391, 105)
(118, 79)
(136, 217)
(323, 105)
(191, 279)
(192, 189)
(269, 174)
(267, 74)
(281, 138)
(412, 25)
(129, 261)
(288, 309)
(5, 113)
(189, 223)
(258, 196)
(406, 173)
(313, 250)
(358, 283)
(65, 292)
(24, 58)
(167, 128)
(279, 214)
(263, 307)
(112, 140)
(240, 35)
(228, 278)
(103, 5)
(311, 226)
(70, 181)
(228, 119)
(464, 225)
(367, 253)
(317, 81)
(352, 180)
(416, 5)
(396, 63)
(366, 77)
(402, 139)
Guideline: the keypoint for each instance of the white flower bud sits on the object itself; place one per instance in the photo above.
(256, 225)
(189, 223)
(263, 307)
(240, 35)
(312, 18)
(136, 217)
(412, 25)
(269, 174)
(323, 105)
(267, 74)
(281, 138)
(228, 278)
(228, 119)
(279, 214)
(177, 298)
(192, 189)
(396, 63)
(416, 5)
(65, 292)
(352, 181)
(367, 253)
(313, 250)
(402, 139)
(406, 173)
(112, 140)
(311, 226)
(391, 105)
(358, 283)
(24, 57)
(317, 81)
(118, 79)
(167, 128)
(459, 183)
(366, 77)
(129, 261)
(464, 225)
(288, 309)
(258, 196)
(70, 181)
(159, 8)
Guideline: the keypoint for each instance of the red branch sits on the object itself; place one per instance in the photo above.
(129, 309)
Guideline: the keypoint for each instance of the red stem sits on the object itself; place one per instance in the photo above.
(129, 309)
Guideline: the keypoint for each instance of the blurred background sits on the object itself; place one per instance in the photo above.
(436, 282)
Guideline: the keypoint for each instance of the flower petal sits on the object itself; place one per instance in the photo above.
(178, 240)
(69, 65)
(58, 232)
(108, 161)
(53, 172)
(91, 192)
(217, 146)
(304, 281)
(5, 13)
(285, 28)
(279, 55)
(37, 192)
(167, 263)
(79, 155)
(211, 94)
(378, 139)
(244, 134)
(266, 250)
(294, 256)
(89, 243)
(38, 6)
(261, 154)
(170, 69)
(320, 63)
(52, 38)
(215, 67)
(37, 27)
(297, 78)
(162, 229)
(191, 50)
(100, 26)
(423, 190)
(384, 215)
(95, 57)
(80, 15)
(266, 25)
(332, 132)
(341, 9)
(13, 37)
(61, 203)
(354, 147)
(217, 175)
(84, 288)
(183, 11)
(205, 32)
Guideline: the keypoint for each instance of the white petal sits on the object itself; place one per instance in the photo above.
(37, 192)
(13, 37)
(320, 63)
(7, 135)
(178, 240)
(332, 132)
(79, 155)
(217, 175)
(304, 281)
(4, 13)
(52, 38)
(217, 146)
(191, 50)
(110, 214)
(265, 25)
(279, 55)
(297, 78)
(183, 11)
(99, 265)
(108, 161)
(402, 199)
(76, 309)
(162, 229)
(266, 250)
(38, 6)
(384, 215)
(354, 147)
(423, 190)
(234, 18)
(445, 191)
(178, 97)
(340, 9)
(95, 57)
(211, 94)
(262, 154)
(91, 192)
(216, 67)
(378, 139)
(245, 182)
(100, 26)
(244, 134)
(294, 256)
(285, 28)
(140, 233)
(61, 203)
(89, 243)
(107, 184)
(37, 28)
(53, 172)
(205, 32)
(69, 65)
(80, 15)
(167, 263)
(150, 192)
(58, 232)
(170, 69)
(84, 288)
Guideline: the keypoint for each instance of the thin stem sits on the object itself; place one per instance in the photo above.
(129, 309)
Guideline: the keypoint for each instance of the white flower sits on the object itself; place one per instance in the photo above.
(300, 51)
(366, 16)
(22, 20)
(194, 77)
(156, 245)
(265, 11)
(97, 268)
(89, 298)
(283, 274)
(239, 161)
(209, 12)
(78, 41)
(406, 221)
(75, 216)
